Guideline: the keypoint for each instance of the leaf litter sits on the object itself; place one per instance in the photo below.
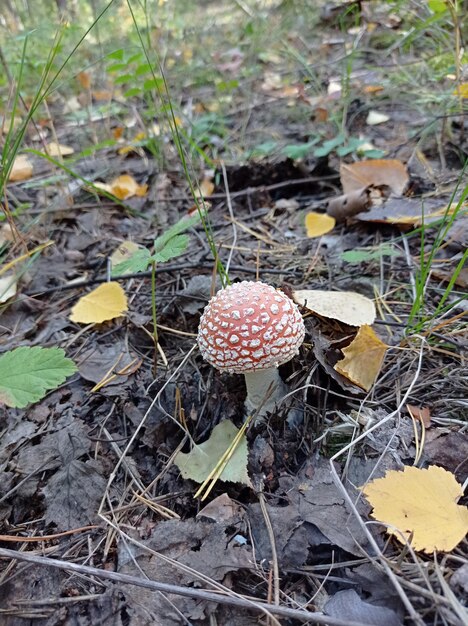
(87, 446)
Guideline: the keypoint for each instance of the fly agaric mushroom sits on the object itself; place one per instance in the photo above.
(251, 328)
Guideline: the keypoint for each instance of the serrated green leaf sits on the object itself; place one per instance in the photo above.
(359, 256)
(298, 151)
(26, 374)
(138, 262)
(174, 247)
(179, 227)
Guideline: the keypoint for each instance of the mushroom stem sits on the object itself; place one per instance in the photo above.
(264, 389)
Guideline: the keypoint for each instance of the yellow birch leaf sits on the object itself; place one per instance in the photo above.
(345, 306)
(123, 187)
(363, 358)
(318, 224)
(54, 149)
(22, 169)
(461, 90)
(421, 502)
(103, 303)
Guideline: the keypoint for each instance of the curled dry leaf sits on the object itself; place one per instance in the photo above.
(318, 224)
(104, 303)
(421, 503)
(363, 358)
(54, 149)
(349, 204)
(22, 169)
(420, 413)
(346, 306)
(123, 187)
(390, 172)
(408, 212)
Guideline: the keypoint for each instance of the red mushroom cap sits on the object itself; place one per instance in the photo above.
(250, 326)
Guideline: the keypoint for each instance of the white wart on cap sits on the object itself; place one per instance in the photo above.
(250, 326)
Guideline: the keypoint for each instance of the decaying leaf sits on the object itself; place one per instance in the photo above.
(349, 204)
(204, 457)
(408, 212)
(420, 413)
(348, 606)
(22, 169)
(7, 287)
(318, 224)
(205, 188)
(55, 149)
(421, 503)
(123, 252)
(123, 187)
(390, 172)
(346, 306)
(363, 358)
(106, 302)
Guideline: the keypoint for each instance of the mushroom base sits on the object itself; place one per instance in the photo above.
(264, 389)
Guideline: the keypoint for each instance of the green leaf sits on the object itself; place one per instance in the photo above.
(116, 67)
(117, 55)
(368, 254)
(329, 146)
(299, 150)
(26, 374)
(144, 68)
(437, 6)
(179, 227)
(138, 262)
(125, 78)
(174, 247)
(201, 461)
(134, 91)
(153, 83)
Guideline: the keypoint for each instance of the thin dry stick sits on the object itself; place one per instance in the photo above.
(231, 213)
(244, 603)
(274, 555)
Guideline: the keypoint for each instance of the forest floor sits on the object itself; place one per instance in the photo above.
(272, 105)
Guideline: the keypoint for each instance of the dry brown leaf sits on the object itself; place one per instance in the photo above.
(22, 169)
(349, 204)
(407, 212)
(423, 414)
(390, 172)
(346, 306)
(363, 358)
(54, 149)
(123, 187)
(206, 188)
(421, 503)
(84, 78)
(318, 224)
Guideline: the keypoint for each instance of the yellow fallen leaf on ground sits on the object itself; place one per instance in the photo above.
(205, 189)
(363, 358)
(54, 149)
(22, 169)
(422, 502)
(461, 90)
(318, 224)
(123, 187)
(345, 306)
(103, 303)
(390, 172)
